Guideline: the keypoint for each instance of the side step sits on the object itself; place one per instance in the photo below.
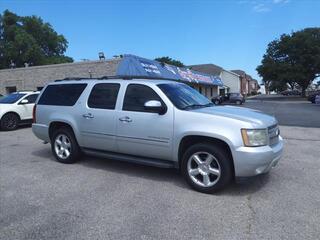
(129, 158)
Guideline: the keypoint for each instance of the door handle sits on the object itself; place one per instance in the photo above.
(87, 116)
(125, 119)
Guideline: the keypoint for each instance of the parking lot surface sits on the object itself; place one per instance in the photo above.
(289, 113)
(103, 199)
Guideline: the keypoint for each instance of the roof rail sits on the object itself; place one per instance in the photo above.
(112, 77)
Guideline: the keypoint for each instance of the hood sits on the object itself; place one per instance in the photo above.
(257, 118)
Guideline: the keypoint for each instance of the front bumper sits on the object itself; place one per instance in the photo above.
(252, 161)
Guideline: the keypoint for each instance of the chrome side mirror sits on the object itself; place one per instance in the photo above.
(155, 106)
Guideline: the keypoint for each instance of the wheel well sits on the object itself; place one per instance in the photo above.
(188, 141)
(56, 125)
(12, 113)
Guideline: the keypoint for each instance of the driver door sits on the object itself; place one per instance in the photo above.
(25, 109)
(141, 132)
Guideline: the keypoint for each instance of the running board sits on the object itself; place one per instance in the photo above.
(130, 158)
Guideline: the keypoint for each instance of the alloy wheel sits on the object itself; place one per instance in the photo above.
(204, 169)
(62, 146)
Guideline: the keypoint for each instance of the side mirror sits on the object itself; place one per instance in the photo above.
(155, 106)
(24, 101)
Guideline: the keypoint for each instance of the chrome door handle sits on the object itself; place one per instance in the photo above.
(88, 115)
(125, 119)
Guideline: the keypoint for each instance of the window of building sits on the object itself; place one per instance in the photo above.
(11, 89)
(211, 92)
(200, 89)
(62, 94)
(104, 96)
(136, 96)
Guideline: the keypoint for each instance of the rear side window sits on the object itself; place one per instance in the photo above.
(104, 96)
(61, 94)
(136, 96)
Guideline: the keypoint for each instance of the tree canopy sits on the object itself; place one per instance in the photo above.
(29, 40)
(293, 60)
(170, 61)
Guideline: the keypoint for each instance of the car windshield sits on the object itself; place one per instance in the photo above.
(11, 98)
(183, 96)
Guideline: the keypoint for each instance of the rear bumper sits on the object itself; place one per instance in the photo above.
(252, 161)
(41, 131)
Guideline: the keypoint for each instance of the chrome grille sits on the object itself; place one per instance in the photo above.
(273, 132)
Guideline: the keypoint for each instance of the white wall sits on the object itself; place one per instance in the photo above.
(208, 91)
(231, 80)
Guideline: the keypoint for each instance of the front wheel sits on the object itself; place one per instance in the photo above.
(64, 146)
(206, 167)
(238, 102)
(9, 121)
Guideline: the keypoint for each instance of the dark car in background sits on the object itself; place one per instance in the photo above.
(236, 98)
(312, 97)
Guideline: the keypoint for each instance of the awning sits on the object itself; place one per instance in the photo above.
(134, 66)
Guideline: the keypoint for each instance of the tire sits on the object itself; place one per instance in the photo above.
(220, 167)
(238, 102)
(64, 146)
(216, 102)
(10, 121)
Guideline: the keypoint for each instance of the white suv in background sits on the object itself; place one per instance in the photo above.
(16, 109)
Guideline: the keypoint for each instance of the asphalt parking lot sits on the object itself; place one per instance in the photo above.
(103, 199)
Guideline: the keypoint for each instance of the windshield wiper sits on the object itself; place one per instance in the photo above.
(197, 106)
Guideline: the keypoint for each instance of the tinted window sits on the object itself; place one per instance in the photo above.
(32, 98)
(183, 96)
(104, 95)
(61, 94)
(136, 96)
(11, 98)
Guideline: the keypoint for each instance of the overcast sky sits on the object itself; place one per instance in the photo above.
(231, 34)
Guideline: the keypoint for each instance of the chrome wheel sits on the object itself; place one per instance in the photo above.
(62, 146)
(204, 169)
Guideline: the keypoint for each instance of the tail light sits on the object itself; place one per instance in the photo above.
(34, 113)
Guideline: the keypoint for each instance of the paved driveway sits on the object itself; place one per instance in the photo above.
(102, 199)
(289, 113)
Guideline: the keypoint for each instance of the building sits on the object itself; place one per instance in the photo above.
(248, 84)
(230, 79)
(128, 66)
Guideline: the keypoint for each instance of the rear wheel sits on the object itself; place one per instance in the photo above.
(9, 121)
(64, 146)
(238, 102)
(206, 167)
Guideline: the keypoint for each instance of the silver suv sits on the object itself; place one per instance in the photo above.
(159, 123)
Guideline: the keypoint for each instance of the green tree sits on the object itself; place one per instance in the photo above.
(170, 61)
(29, 40)
(294, 59)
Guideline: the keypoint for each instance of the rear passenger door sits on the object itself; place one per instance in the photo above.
(98, 126)
(144, 133)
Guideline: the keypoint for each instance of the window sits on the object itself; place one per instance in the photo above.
(211, 92)
(104, 96)
(136, 96)
(61, 94)
(183, 96)
(32, 98)
(200, 89)
(11, 98)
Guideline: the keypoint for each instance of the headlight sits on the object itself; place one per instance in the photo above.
(254, 137)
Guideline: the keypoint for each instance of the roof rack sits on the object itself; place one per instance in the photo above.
(113, 77)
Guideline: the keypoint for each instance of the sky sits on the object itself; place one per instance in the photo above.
(231, 34)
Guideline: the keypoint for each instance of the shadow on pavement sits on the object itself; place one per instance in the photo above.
(172, 176)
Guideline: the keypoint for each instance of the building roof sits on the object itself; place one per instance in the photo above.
(207, 68)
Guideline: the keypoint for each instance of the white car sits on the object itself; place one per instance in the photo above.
(16, 109)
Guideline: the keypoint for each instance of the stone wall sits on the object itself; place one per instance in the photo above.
(31, 78)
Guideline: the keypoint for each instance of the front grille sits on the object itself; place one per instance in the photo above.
(273, 132)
